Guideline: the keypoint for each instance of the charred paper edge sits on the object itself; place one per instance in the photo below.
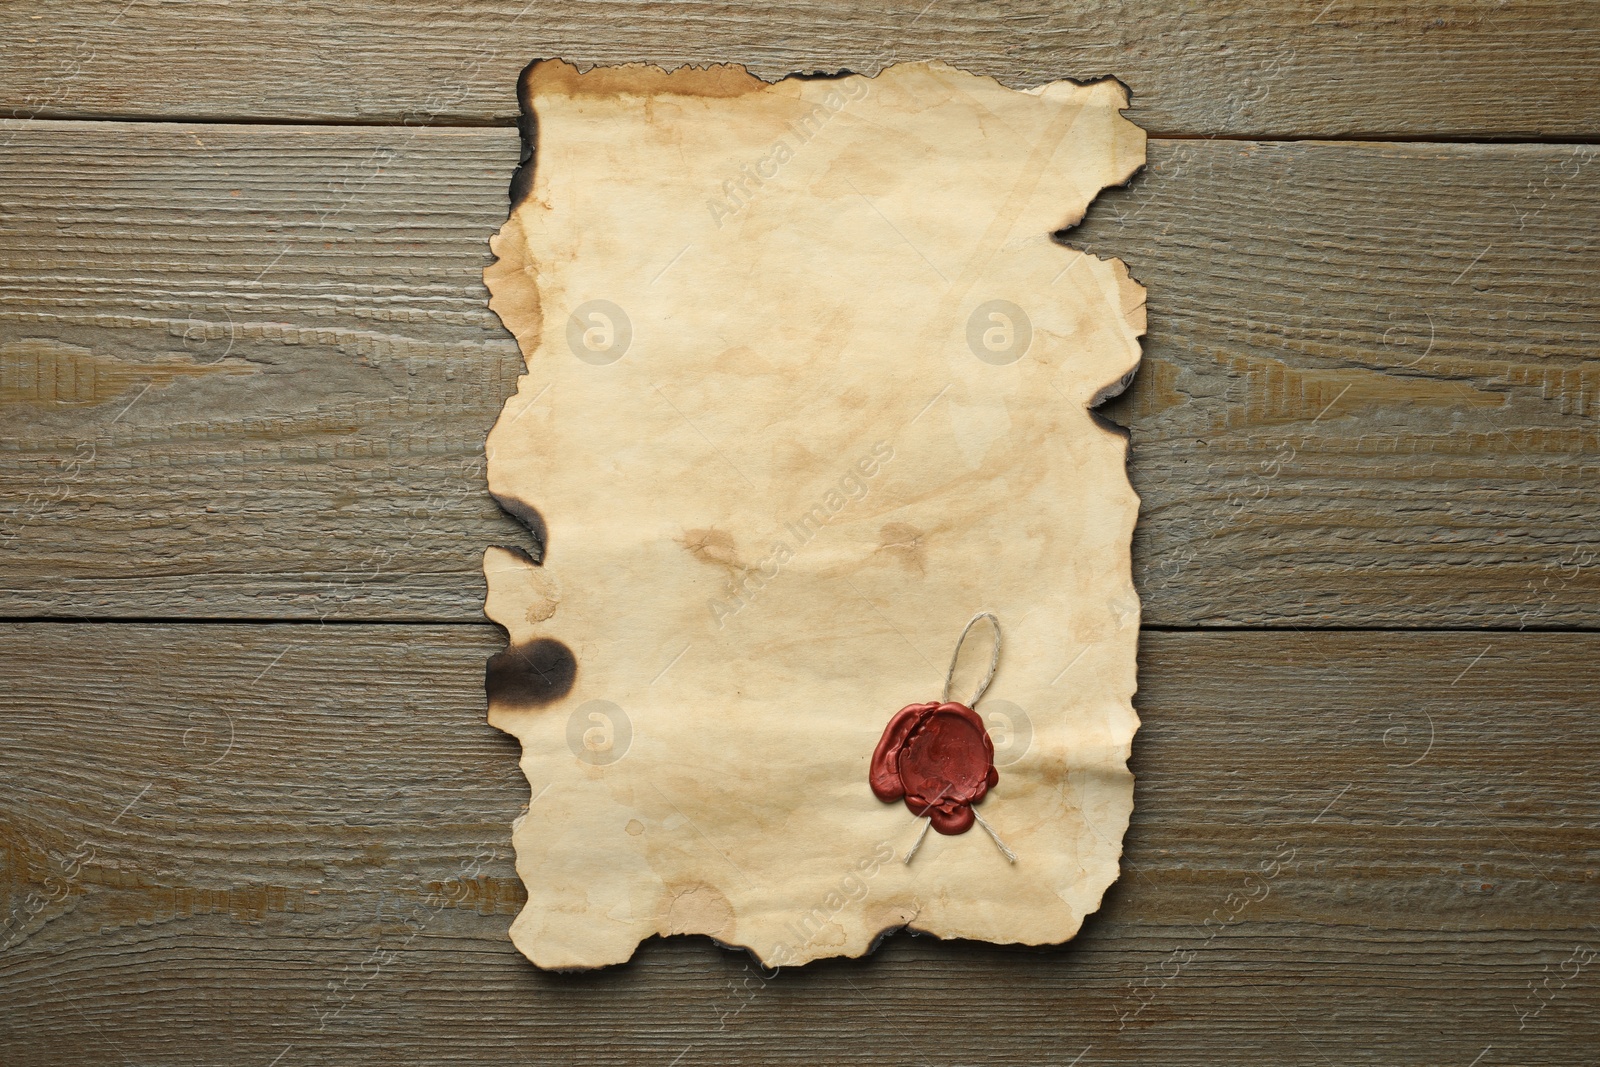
(519, 310)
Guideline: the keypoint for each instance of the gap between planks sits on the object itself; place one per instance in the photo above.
(509, 122)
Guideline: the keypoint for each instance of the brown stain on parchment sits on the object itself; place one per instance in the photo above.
(544, 592)
(698, 909)
(542, 607)
(712, 546)
(903, 542)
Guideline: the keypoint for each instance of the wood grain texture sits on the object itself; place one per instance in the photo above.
(219, 842)
(1505, 68)
(247, 372)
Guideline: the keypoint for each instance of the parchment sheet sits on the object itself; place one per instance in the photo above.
(808, 387)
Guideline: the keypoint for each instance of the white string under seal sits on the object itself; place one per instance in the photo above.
(926, 822)
(994, 658)
(1011, 857)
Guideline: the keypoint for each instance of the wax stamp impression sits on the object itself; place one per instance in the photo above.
(940, 760)
(809, 376)
(939, 757)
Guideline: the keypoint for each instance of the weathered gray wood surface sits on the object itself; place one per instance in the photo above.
(1281, 68)
(247, 372)
(226, 841)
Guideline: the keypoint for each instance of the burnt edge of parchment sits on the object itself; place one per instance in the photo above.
(732, 79)
(530, 673)
(723, 79)
(543, 670)
(528, 516)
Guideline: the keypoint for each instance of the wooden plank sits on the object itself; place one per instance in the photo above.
(229, 843)
(1508, 68)
(247, 372)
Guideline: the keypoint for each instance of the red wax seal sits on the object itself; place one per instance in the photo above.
(940, 759)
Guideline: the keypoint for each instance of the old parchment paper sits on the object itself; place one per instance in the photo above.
(808, 387)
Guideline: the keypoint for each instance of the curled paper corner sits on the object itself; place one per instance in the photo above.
(809, 384)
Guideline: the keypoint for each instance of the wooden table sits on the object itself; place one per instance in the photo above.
(250, 812)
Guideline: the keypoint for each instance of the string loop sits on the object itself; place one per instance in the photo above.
(983, 687)
(994, 658)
